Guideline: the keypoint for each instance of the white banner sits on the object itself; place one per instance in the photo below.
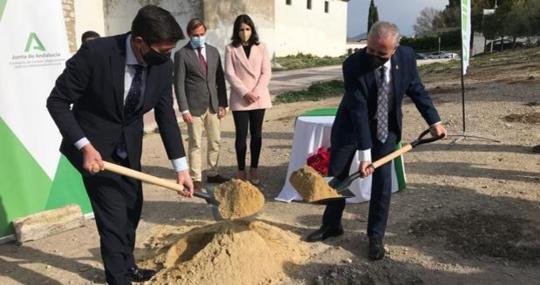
(32, 55)
(465, 33)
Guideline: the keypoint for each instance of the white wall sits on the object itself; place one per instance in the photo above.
(120, 13)
(298, 29)
(88, 16)
(219, 16)
(285, 29)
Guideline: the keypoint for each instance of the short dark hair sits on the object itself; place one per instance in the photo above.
(244, 19)
(156, 25)
(89, 34)
(194, 24)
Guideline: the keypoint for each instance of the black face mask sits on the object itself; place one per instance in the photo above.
(375, 62)
(153, 57)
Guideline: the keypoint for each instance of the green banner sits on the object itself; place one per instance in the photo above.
(34, 176)
(465, 33)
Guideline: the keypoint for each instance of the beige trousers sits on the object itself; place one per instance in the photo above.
(211, 124)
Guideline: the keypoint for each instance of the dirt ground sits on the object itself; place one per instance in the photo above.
(470, 213)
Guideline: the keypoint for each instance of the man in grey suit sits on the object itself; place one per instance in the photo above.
(199, 83)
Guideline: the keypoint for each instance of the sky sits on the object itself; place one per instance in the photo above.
(401, 12)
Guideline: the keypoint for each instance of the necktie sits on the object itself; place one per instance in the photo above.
(202, 61)
(382, 106)
(132, 102)
(135, 91)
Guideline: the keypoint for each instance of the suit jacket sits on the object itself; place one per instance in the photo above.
(194, 90)
(355, 118)
(245, 75)
(93, 81)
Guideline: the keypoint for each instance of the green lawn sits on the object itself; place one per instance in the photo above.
(300, 61)
(315, 92)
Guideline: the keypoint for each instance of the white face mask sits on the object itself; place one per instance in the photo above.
(244, 35)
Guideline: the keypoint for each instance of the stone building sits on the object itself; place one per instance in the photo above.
(289, 27)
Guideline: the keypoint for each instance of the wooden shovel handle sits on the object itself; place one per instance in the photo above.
(391, 156)
(142, 176)
(420, 140)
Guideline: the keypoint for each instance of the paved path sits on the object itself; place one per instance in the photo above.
(289, 80)
(282, 81)
(299, 79)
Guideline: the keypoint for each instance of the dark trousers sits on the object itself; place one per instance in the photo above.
(252, 119)
(117, 203)
(381, 188)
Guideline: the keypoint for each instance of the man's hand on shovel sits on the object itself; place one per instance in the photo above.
(365, 168)
(437, 130)
(92, 161)
(183, 178)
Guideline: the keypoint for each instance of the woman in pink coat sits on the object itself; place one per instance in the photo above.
(248, 71)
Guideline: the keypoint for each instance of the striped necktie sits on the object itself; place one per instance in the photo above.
(202, 62)
(382, 106)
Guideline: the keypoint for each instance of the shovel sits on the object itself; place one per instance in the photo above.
(342, 186)
(118, 169)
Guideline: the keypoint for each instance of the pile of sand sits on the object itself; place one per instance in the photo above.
(229, 252)
(311, 185)
(238, 199)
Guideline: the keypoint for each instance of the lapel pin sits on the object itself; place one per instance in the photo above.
(397, 66)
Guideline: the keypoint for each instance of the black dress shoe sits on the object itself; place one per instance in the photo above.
(376, 249)
(140, 275)
(217, 179)
(325, 232)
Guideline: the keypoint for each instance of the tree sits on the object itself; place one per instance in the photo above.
(502, 12)
(494, 25)
(477, 12)
(450, 17)
(534, 17)
(517, 21)
(426, 23)
(490, 27)
(373, 15)
(522, 19)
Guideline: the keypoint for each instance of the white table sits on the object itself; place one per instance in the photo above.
(310, 133)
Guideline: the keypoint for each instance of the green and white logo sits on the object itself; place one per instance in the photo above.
(31, 60)
(33, 43)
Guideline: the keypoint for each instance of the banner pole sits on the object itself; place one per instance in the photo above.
(462, 75)
(465, 51)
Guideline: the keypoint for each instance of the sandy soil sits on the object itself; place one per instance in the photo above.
(470, 214)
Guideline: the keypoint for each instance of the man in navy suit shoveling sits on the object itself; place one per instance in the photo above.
(369, 120)
(110, 83)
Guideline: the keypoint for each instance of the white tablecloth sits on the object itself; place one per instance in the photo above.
(310, 133)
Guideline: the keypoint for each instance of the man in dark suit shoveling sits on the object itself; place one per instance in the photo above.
(98, 104)
(368, 120)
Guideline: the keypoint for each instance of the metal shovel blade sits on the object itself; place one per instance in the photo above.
(211, 201)
(341, 187)
(209, 196)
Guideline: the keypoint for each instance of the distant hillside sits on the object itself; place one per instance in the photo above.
(358, 37)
